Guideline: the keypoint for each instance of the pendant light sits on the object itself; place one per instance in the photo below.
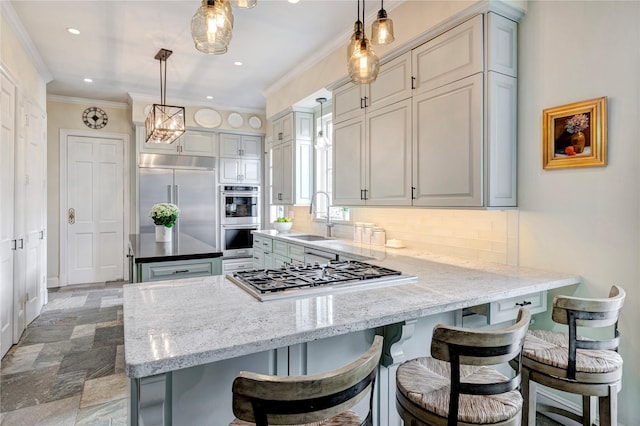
(356, 37)
(382, 28)
(212, 26)
(321, 140)
(363, 64)
(245, 4)
(164, 123)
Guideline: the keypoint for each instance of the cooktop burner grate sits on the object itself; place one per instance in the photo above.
(310, 276)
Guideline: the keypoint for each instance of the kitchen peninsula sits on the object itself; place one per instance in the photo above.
(183, 257)
(185, 340)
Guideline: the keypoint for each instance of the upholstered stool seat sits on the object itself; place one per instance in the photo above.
(551, 348)
(456, 386)
(425, 382)
(574, 364)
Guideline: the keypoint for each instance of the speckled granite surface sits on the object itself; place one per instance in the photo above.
(170, 325)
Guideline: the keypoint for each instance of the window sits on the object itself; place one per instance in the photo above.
(324, 172)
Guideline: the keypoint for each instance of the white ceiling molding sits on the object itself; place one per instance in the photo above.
(83, 101)
(10, 15)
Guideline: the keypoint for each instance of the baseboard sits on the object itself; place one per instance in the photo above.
(53, 282)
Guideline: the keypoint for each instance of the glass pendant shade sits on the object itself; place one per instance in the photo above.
(364, 64)
(212, 26)
(355, 39)
(382, 29)
(164, 124)
(245, 4)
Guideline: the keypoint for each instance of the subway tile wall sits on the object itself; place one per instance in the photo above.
(474, 234)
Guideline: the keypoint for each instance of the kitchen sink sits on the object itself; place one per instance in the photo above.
(309, 237)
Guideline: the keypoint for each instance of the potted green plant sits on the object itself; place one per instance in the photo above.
(164, 216)
(283, 224)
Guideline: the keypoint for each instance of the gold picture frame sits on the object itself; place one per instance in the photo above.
(575, 135)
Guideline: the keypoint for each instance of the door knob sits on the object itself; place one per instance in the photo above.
(72, 216)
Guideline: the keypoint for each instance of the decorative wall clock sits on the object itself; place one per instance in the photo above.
(95, 118)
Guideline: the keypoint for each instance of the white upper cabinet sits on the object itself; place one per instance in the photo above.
(453, 55)
(240, 158)
(241, 146)
(392, 85)
(294, 125)
(292, 159)
(192, 142)
(447, 160)
(453, 144)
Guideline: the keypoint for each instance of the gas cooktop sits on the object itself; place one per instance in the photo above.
(309, 280)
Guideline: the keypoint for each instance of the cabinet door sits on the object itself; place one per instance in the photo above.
(159, 148)
(230, 145)
(447, 132)
(388, 155)
(502, 133)
(276, 131)
(230, 170)
(251, 147)
(348, 163)
(303, 177)
(304, 126)
(276, 174)
(393, 83)
(503, 45)
(250, 171)
(286, 186)
(449, 57)
(287, 127)
(348, 102)
(198, 143)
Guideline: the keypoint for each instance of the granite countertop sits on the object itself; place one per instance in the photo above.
(171, 325)
(182, 247)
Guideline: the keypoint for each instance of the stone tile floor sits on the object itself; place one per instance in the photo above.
(68, 367)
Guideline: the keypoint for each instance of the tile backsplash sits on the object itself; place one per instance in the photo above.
(475, 234)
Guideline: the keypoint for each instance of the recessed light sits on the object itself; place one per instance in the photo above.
(88, 80)
(209, 97)
(238, 63)
(73, 31)
(293, 1)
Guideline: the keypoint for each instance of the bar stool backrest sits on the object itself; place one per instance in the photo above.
(464, 346)
(583, 312)
(286, 400)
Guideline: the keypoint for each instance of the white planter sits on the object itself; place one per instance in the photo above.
(282, 226)
(163, 234)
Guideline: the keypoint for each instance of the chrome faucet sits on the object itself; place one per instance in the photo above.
(329, 224)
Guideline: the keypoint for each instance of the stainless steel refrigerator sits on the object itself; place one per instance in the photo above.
(188, 182)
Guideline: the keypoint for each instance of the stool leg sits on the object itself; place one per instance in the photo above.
(528, 389)
(588, 410)
(609, 407)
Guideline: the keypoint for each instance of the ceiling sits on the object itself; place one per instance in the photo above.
(119, 39)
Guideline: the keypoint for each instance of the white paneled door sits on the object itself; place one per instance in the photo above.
(94, 211)
(34, 214)
(7, 242)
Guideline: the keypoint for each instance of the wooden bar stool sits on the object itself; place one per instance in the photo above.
(570, 363)
(455, 387)
(322, 399)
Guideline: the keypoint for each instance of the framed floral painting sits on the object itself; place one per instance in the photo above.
(575, 135)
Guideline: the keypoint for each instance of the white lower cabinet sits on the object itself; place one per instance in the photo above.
(506, 309)
(202, 394)
(173, 270)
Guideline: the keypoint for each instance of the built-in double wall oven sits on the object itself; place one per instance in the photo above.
(239, 215)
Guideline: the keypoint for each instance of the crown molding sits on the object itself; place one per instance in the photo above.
(9, 13)
(142, 97)
(85, 101)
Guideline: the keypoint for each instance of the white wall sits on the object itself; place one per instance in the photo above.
(584, 221)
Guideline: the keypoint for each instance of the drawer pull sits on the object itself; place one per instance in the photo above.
(524, 303)
(180, 271)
